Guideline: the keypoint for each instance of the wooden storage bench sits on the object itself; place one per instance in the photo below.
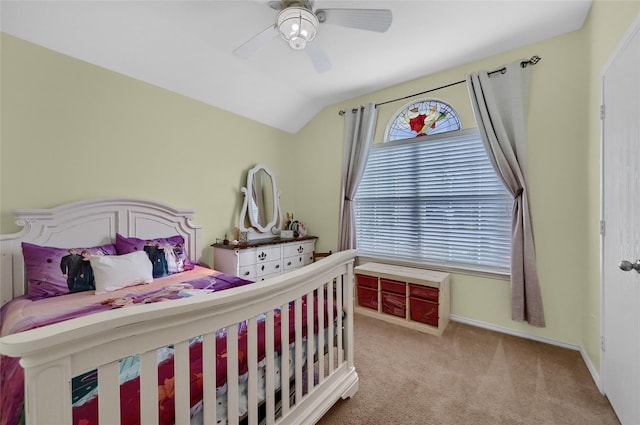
(408, 296)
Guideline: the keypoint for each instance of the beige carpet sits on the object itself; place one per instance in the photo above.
(468, 375)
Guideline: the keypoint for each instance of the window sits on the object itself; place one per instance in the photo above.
(426, 117)
(434, 200)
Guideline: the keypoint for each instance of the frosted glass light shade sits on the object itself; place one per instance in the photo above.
(297, 26)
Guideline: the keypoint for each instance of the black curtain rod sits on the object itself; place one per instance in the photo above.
(534, 60)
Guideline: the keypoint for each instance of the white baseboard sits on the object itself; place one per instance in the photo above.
(592, 370)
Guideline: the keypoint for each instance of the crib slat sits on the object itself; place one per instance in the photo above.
(339, 324)
(310, 346)
(269, 389)
(149, 387)
(284, 359)
(252, 368)
(232, 374)
(349, 332)
(331, 325)
(209, 378)
(321, 330)
(109, 393)
(182, 382)
(298, 351)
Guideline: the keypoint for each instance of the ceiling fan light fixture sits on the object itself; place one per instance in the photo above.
(297, 26)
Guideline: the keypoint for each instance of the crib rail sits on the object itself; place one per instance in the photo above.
(53, 355)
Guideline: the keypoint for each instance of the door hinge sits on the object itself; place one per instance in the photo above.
(601, 112)
(602, 344)
(602, 227)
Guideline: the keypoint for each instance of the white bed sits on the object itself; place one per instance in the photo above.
(52, 355)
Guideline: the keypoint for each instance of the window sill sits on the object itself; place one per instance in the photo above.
(466, 270)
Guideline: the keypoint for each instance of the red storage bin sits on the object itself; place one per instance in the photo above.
(368, 281)
(424, 292)
(424, 311)
(394, 304)
(368, 297)
(393, 286)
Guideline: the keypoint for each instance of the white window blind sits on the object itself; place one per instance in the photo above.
(436, 200)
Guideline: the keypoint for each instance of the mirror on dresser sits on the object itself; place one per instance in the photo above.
(264, 254)
(261, 216)
(262, 199)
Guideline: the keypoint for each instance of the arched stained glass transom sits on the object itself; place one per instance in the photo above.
(422, 118)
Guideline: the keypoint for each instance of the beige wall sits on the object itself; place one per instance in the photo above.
(71, 131)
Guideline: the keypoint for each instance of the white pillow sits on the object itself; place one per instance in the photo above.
(113, 272)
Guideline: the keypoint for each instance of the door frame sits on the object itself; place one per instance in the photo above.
(624, 41)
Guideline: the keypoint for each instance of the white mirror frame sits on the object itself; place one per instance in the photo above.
(256, 230)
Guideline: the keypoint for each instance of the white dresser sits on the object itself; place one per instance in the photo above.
(264, 258)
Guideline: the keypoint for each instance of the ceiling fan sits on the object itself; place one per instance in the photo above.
(297, 23)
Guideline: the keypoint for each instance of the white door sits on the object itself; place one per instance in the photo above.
(621, 240)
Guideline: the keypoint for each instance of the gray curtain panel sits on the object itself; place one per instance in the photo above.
(500, 104)
(359, 129)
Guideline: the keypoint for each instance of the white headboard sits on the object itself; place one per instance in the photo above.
(90, 223)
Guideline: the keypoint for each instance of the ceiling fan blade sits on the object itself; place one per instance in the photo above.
(317, 55)
(378, 20)
(256, 42)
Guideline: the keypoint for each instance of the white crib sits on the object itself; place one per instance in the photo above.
(52, 355)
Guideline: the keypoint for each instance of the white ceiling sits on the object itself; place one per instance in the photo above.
(186, 46)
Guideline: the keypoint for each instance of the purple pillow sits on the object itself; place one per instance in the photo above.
(168, 255)
(55, 271)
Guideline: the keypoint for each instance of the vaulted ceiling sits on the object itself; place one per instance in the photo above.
(187, 46)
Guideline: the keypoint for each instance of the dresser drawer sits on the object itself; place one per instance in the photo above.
(247, 272)
(246, 257)
(308, 258)
(291, 263)
(393, 286)
(265, 277)
(296, 249)
(424, 292)
(267, 254)
(268, 267)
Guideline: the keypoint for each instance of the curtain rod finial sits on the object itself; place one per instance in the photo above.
(534, 60)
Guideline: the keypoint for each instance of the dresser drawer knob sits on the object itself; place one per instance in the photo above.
(300, 249)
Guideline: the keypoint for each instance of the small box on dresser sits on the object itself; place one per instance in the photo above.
(408, 296)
